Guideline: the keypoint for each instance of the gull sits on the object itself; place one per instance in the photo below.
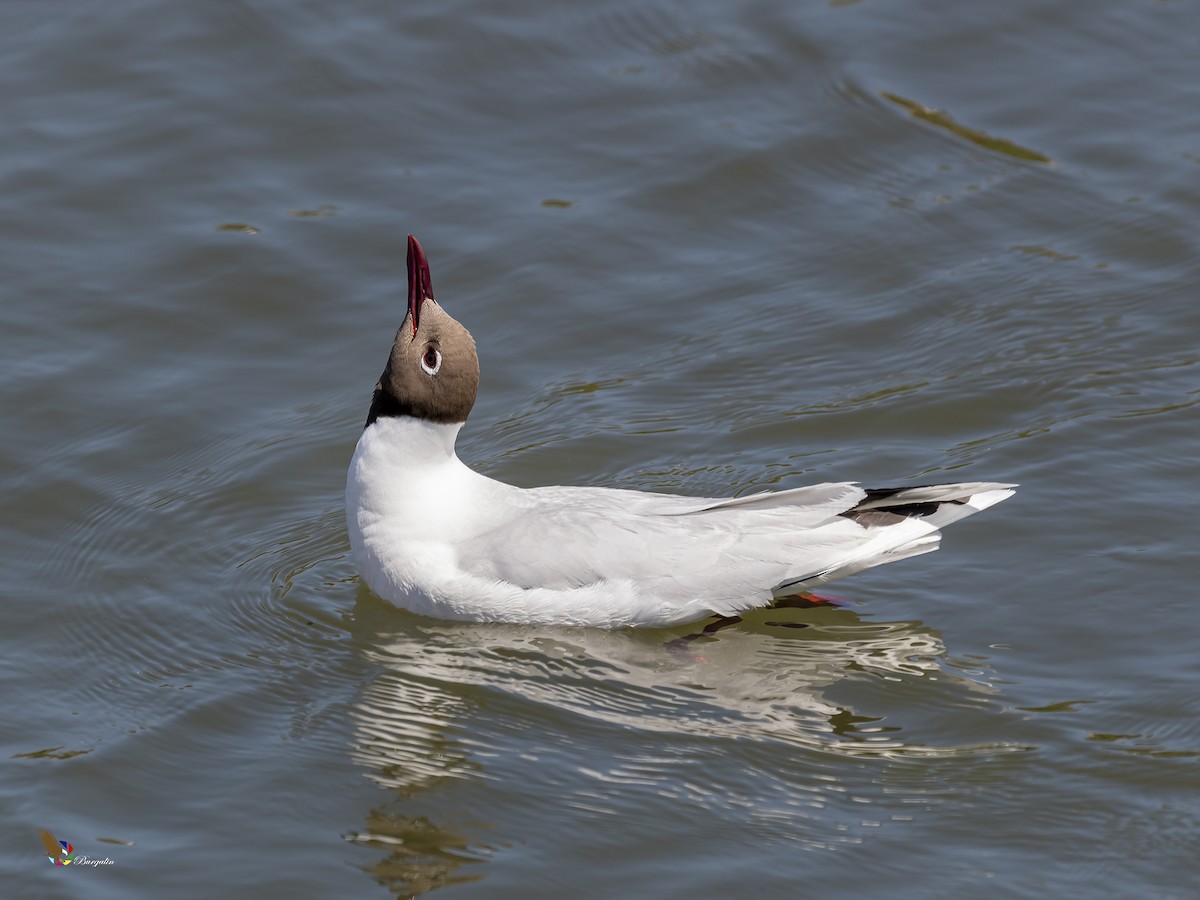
(433, 536)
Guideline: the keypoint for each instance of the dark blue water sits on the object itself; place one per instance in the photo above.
(703, 249)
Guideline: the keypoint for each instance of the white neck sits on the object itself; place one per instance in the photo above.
(403, 465)
(419, 440)
(406, 488)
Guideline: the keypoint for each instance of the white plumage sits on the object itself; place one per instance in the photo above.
(431, 535)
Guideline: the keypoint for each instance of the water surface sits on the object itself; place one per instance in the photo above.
(704, 249)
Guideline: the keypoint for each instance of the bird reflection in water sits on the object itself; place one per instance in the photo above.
(468, 702)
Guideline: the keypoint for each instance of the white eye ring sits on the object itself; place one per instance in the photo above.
(437, 361)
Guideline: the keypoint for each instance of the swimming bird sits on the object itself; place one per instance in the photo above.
(433, 536)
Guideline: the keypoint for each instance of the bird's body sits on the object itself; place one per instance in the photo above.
(433, 536)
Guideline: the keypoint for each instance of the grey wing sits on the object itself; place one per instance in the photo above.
(722, 554)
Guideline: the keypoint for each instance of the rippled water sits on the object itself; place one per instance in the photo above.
(704, 248)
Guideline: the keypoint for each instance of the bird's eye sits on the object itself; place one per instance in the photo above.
(431, 361)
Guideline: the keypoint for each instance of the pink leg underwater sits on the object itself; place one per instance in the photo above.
(807, 601)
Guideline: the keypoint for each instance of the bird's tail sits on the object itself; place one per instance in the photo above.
(903, 522)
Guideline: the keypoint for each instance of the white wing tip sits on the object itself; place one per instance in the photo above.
(984, 499)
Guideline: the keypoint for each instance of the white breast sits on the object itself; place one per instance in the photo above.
(410, 503)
